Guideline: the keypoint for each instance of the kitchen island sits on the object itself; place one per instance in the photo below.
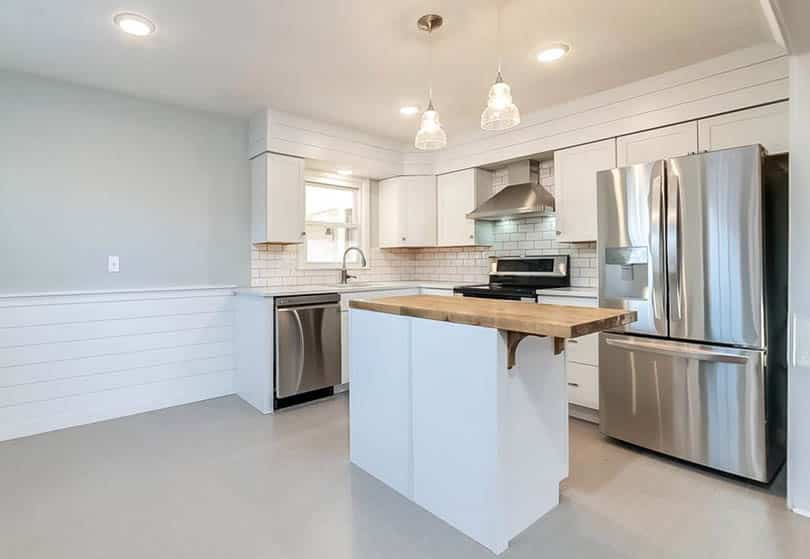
(460, 404)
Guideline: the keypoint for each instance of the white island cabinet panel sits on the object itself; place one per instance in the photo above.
(277, 207)
(436, 414)
(575, 186)
(380, 400)
(766, 125)
(661, 143)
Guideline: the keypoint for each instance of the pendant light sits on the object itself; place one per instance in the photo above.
(501, 113)
(430, 136)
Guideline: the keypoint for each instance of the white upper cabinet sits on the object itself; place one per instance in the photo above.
(277, 209)
(661, 143)
(575, 188)
(457, 194)
(766, 125)
(407, 211)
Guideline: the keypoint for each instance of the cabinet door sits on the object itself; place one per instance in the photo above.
(277, 199)
(661, 143)
(420, 212)
(392, 212)
(766, 125)
(575, 185)
(455, 197)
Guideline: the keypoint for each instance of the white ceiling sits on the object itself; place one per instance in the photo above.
(356, 62)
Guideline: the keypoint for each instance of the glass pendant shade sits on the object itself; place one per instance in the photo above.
(430, 136)
(501, 113)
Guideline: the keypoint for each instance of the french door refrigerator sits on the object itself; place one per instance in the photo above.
(697, 246)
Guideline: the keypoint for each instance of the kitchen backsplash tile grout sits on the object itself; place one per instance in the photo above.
(276, 265)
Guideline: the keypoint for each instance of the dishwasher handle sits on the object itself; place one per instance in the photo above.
(306, 307)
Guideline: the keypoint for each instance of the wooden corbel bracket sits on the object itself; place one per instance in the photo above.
(514, 338)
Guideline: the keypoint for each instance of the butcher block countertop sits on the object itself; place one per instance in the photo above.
(524, 318)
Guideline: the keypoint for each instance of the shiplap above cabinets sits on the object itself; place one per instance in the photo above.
(575, 188)
(277, 209)
(670, 141)
(767, 125)
(407, 211)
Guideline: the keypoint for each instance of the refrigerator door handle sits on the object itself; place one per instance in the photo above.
(686, 351)
(674, 244)
(657, 245)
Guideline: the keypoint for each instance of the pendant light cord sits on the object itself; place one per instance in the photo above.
(500, 46)
(430, 64)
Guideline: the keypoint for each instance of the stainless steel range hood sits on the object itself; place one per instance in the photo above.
(522, 197)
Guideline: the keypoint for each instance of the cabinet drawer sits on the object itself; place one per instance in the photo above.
(583, 350)
(583, 385)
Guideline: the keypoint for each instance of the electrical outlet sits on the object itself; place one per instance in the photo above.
(113, 264)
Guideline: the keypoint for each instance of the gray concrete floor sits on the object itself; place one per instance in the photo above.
(218, 480)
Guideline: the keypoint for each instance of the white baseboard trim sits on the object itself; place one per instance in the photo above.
(585, 414)
(801, 512)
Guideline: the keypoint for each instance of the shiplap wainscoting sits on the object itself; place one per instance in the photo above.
(71, 359)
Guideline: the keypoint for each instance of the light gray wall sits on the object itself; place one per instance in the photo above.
(86, 173)
(799, 373)
(793, 16)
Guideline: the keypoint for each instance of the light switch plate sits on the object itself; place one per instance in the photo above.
(113, 264)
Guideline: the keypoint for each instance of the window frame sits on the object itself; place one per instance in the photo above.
(362, 224)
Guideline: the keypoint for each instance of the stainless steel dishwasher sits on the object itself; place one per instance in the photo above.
(307, 347)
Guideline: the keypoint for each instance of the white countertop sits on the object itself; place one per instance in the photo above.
(351, 287)
(589, 292)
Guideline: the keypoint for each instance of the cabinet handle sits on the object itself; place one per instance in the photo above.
(472, 236)
(573, 342)
(575, 385)
(304, 234)
(558, 232)
(404, 238)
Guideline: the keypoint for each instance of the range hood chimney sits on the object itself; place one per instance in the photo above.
(523, 196)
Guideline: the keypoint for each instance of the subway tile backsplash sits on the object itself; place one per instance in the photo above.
(273, 265)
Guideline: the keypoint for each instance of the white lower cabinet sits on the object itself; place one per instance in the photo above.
(581, 357)
(344, 319)
(436, 291)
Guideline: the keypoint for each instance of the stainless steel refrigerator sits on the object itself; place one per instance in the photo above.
(697, 245)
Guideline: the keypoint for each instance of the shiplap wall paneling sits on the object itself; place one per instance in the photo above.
(74, 359)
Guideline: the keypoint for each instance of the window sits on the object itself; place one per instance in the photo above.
(335, 220)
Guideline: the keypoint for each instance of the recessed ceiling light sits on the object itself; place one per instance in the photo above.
(344, 172)
(134, 24)
(554, 52)
(410, 110)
